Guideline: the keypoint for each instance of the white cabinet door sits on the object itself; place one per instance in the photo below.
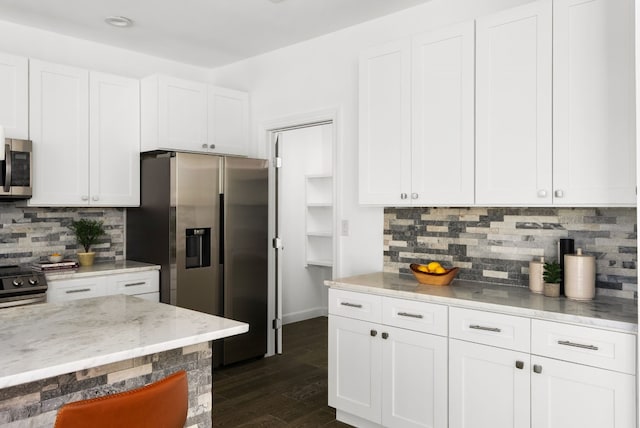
(385, 125)
(487, 387)
(14, 102)
(513, 106)
(228, 121)
(355, 367)
(59, 128)
(414, 386)
(594, 102)
(442, 150)
(569, 395)
(114, 140)
(182, 114)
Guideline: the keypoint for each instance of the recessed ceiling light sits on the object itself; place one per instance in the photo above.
(119, 21)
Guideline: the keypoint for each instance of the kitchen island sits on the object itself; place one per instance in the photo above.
(56, 353)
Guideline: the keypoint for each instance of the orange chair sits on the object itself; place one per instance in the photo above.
(162, 404)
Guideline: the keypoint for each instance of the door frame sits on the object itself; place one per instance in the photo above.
(267, 133)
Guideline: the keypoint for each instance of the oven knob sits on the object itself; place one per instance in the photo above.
(17, 282)
(33, 281)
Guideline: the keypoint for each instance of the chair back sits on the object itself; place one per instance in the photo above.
(162, 404)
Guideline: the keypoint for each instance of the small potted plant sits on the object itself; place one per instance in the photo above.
(87, 233)
(552, 275)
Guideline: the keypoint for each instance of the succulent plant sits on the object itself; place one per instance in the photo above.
(552, 272)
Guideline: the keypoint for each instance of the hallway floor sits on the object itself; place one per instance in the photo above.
(288, 390)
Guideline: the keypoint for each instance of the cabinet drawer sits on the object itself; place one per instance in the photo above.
(73, 289)
(412, 315)
(135, 283)
(504, 331)
(366, 307)
(585, 345)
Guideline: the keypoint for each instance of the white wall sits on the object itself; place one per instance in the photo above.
(322, 74)
(34, 43)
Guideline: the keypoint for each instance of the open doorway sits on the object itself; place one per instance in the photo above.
(304, 221)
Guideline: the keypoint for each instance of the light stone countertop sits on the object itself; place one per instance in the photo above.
(101, 269)
(603, 312)
(50, 339)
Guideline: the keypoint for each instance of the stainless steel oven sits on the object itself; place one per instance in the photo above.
(21, 286)
(16, 170)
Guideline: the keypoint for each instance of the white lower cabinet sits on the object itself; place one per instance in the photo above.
(381, 375)
(569, 395)
(143, 284)
(488, 386)
(392, 365)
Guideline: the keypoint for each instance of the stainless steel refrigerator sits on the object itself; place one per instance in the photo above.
(203, 219)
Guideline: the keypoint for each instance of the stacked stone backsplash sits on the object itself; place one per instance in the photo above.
(28, 234)
(496, 244)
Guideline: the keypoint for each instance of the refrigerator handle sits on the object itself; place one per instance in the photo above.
(221, 230)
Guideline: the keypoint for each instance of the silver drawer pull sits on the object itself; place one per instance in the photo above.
(481, 327)
(351, 305)
(133, 284)
(577, 345)
(79, 290)
(407, 314)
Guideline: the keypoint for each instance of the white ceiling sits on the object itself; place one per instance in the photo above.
(207, 33)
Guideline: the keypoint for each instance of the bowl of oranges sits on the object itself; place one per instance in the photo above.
(433, 273)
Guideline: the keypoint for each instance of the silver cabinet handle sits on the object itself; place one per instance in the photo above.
(351, 305)
(94, 198)
(385, 335)
(537, 368)
(542, 193)
(84, 197)
(212, 146)
(403, 196)
(79, 290)
(559, 194)
(414, 196)
(577, 345)
(520, 365)
(410, 315)
(373, 333)
(481, 327)
(204, 146)
(133, 284)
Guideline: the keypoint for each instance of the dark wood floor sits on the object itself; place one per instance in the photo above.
(288, 390)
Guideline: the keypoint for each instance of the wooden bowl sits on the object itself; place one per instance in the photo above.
(434, 278)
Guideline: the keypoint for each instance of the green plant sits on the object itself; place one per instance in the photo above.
(552, 272)
(87, 232)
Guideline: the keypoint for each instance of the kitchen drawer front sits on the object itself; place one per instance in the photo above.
(74, 289)
(412, 315)
(366, 307)
(135, 283)
(584, 345)
(488, 328)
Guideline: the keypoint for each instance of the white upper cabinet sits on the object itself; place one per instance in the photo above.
(385, 126)
(86, 141)
(513, 106)
(174, 114)
(228, 121)
(114, 140)
(191, 116)
(594, 102)
(416, 120)
(442, 149)
(59, 129)
(14, 102)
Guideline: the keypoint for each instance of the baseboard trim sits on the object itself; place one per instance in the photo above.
(304, 315)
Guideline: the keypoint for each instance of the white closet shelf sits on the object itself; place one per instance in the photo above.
(321, 263)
